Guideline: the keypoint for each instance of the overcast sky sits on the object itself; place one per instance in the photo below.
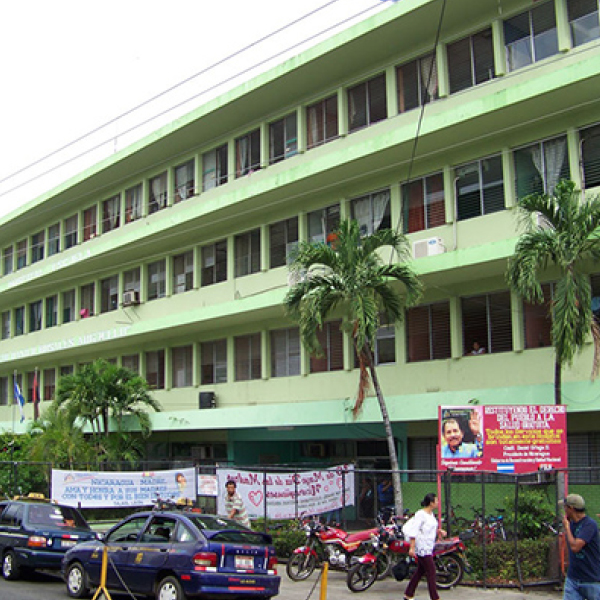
(70, 66)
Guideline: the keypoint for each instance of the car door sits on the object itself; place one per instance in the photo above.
(119, 542)
(147, 555)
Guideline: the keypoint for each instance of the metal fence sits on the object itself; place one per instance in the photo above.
(514, 519)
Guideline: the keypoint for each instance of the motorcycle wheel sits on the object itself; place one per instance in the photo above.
(300, 566)
(384, 565)
(361, 577)
(449, 570)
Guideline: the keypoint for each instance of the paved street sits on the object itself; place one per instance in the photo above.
(50, 587)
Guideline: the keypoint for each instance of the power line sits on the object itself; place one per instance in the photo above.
(176, 86)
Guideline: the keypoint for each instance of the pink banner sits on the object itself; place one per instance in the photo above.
(505, 439)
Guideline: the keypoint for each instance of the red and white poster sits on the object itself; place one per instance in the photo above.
(505, 439)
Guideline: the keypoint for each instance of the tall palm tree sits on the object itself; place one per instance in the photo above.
(564, 234)
(102, 391)
(350, 278)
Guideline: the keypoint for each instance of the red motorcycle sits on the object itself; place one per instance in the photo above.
(325, 543)
(449, 556)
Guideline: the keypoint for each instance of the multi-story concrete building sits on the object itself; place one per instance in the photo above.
(170, 256)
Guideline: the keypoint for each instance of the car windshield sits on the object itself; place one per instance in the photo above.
(58, 516)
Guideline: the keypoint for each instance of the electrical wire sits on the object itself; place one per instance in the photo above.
(183, 102)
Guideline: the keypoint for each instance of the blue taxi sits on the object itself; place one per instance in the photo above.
(174, 555)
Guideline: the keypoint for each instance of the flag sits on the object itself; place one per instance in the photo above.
(19, 400)
(36, 396)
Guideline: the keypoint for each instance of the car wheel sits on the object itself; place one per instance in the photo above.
(169, 589)
(10, 567)
(77, 581)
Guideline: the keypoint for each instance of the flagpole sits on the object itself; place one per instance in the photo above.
(14, 400)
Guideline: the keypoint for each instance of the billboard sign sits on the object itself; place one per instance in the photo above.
(505, 439)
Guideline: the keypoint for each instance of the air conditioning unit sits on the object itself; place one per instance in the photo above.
(207, 400)
(428, 247)
(130, 297)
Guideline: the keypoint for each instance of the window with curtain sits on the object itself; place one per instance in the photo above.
(537, 320)
(417, 83)
(181, 366)
(19, 320)
(590, 156)
(54, 239)
(131, 280)
(322, 122)
(109, 294)
(479, 188)
(37, 246)
(471, 61)
(51, 311)
(111, 213)
(247, 153)
(283, 138)
(6, 325)
(131, 362)
(213, 361)
(423, 203)
(214, 263)
(583, 20)
(367, 103)
(158, 193)
(530, 36)
(49, 384)
(428, 332)
(21, 254)
(157, 279)
(133, 203)
(248, 361)
(183, 272)
(7, 260)
(89, 223)
(283, 238)
(372, 212)
(87, 307)
(70, 231)
(322, 223)
(214, 168)
(285, 352)
(247, 253)
(540, 166)
(185, 184)
(155, 369)
(487, 320)
(68, 302)
(331, 338)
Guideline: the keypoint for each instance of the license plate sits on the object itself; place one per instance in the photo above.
(67, 543)
(244, 563)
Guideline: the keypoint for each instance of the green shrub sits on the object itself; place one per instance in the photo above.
(502, 562)
(286, 535)
(534, 509)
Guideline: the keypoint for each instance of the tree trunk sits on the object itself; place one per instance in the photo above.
(398, 501)
(557, 383)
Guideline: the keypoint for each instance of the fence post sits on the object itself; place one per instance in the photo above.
(344, 497)
(483, 530)
(296, 491)
(517, 557)
(265, 497)
(448, 503)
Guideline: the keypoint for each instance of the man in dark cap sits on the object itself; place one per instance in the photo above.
(581, 532)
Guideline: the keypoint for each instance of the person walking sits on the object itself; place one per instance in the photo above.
(581, 532)
(426, 532)
(234, 505)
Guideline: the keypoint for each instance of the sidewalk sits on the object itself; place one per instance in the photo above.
(392, 589)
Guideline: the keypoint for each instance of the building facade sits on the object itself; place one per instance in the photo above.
(170, 257)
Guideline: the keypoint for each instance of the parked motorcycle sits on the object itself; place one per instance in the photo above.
(449, 557)
(325, 543)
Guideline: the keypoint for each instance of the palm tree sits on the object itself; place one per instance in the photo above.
(564, 234)
(350, 277)
(102, 391)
